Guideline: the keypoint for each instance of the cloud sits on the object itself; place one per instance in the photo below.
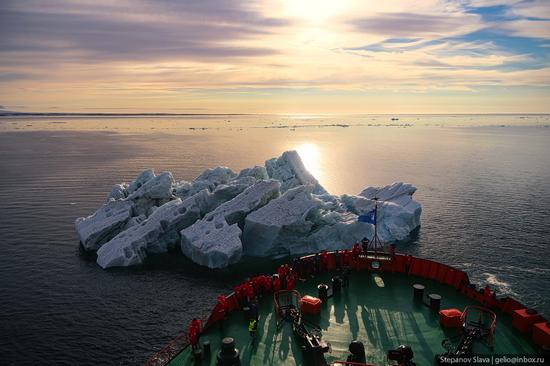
(528, 28)
(98, 33)
(14, 76)
(105, 54)
(525, 18)
(535, 9)
(415, 25)
(402, 40)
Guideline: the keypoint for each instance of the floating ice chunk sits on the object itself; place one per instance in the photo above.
(156, 188)
(153, 193)
(118, 192)
(156, 234)
(104, 224)
(266, 229)
(289, 169)
(222, 182)
(142, 178)
(249, 200)
(396, 222)
(340, 234)
(258, 172)
(215, 241)
(222, 193)
(148, 190)
(200, 185)
(301, 222)
(392, 192)
(357, 204)
(209, 179)
(243, 212)
(182, 188)
(226, 192)
(216, 175)
(398, 213)
(135, 221)
(214, 244)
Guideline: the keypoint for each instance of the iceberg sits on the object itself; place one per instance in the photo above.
(141, 197)
(220, 216)
(118, 192)
(209, 179)
(301, 221)
(266, 230)
(214, 244)
(215, 241)
(104, 224)
(141, 179)
(289, 169)
(399, 213)
(156, 234)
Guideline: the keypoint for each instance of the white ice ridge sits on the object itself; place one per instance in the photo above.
(276, 209)
(215, 241)
(156, 234)
(289, 169)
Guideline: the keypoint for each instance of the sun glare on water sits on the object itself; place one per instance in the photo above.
(311, 157)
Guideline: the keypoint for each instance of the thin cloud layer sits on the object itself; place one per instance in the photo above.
(227, 56)
(100, 32)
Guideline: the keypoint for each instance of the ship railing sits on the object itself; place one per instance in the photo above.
(173, 348)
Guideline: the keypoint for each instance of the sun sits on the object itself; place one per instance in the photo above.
(314, 11)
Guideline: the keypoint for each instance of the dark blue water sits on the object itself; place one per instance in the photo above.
(485, 193)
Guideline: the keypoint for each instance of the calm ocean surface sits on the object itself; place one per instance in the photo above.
(483, 181)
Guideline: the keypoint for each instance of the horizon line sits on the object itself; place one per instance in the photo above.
(109, 114)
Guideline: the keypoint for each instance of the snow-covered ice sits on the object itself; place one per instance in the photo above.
(215, 241)
(289, 169)
(156, 234)
(302, 222)
(118, 192)
(266, 229)
(141, 197)
(104, 224)
(219, 216)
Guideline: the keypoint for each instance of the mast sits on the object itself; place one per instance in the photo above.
(376, 243)
(375, 222)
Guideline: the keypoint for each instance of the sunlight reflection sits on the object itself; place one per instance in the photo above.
(311, 156)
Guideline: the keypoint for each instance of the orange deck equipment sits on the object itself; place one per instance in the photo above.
(450, 318)
(310, 305)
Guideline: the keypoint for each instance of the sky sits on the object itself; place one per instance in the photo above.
(277, 56)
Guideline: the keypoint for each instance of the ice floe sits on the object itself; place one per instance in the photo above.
(215, 241)
(215, 219)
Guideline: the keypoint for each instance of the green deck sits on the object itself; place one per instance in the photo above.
(381, 318)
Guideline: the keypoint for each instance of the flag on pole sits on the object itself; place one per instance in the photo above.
(369, 217)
